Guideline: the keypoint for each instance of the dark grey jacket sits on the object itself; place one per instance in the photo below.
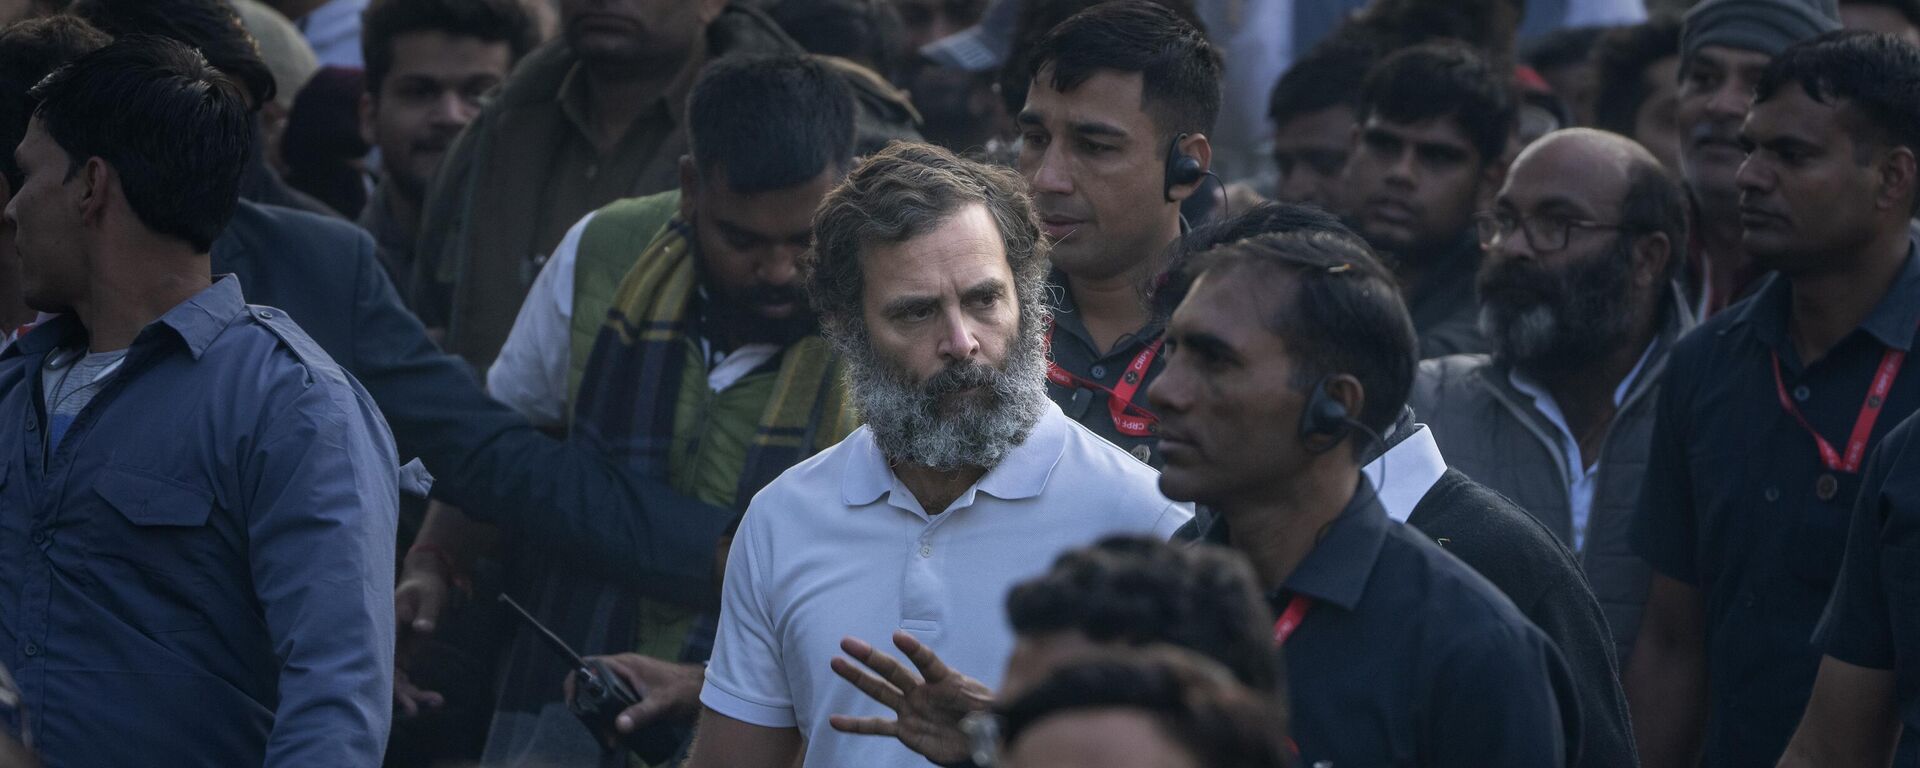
(1493, 433)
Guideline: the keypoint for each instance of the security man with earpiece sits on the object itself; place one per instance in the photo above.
(1287, 354)
(1113, 139)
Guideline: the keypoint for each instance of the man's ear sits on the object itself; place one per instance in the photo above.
(689, 186)
(369, 132)
(1349, 392)
(1652, 252)
(1196, 146)
(97, 182)
(1898, 178)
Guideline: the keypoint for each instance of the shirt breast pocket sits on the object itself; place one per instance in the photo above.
(154, 553)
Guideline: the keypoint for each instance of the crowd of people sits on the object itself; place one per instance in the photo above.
(1020, 383)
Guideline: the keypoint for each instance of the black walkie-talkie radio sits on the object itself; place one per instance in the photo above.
(600, 695)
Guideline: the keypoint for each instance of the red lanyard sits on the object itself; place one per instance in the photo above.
(1129, 419)
(1290, 619)
(1862, 425)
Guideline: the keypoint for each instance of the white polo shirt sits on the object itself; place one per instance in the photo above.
(838, 547)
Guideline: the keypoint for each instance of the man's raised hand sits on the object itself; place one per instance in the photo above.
(929, 706)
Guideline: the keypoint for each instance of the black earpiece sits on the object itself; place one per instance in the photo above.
(1182, 168)
(1324, 415)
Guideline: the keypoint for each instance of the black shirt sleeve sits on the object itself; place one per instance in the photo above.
(1666, 525)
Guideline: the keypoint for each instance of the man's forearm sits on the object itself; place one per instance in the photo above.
(1667, 695)
(570, 498)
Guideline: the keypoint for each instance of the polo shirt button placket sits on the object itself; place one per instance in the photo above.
(926, 548)
(1772, 493)
(1098, 371)
(31, 649)
(1801, 393)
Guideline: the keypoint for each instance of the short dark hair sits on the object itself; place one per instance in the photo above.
(493, 21)
(175, 130)
(902, 192)
(1877, 75)
(1443, 79)
(1263, 219)
(1220, 722)
(1036, 19)
(1139, 591)
(1620, 60)
(867, 32)
(1345, 314)
(1562, 48)
(1908, 9)
(29, 50)
(772, 122)
(1328, 76)
(209, 25)
(1179, 69)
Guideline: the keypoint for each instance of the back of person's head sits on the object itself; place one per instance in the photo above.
(904, 191)
(211, 26)
(1179, 69)
(1908, 9)
(174, 129)
(1874, 76)
(29, 50)
(1136, 591)
(866, 32)
(1345, 314)
(1443, 80)
(1571, 47)
(1262, 219)
(1216, 721)
(1621, 58)
(493, 21)
(770, 122)
(1655, 203)
(1328, 76)
(1486, 25)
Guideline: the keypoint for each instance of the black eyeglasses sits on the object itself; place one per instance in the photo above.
(1545, 234)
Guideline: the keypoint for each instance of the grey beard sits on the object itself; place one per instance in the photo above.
(1522, 337)
(910, 424)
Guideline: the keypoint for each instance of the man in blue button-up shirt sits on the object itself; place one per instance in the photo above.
(196, 569)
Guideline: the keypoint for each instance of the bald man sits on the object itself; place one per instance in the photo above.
(1577, 301)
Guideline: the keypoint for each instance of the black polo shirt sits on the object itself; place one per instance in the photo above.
(1731, 500)
(1075, 352)
(1407, 657)
(1873, 619)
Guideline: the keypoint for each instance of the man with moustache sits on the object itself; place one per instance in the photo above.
(428, 63)
(927, 273)
(1769, 409)
(593, 117)
(1433, 126)
(1312, 112)
(670, 333)
(1577, 299)
(1286, 353)
(1724, 45)
(1121, 93)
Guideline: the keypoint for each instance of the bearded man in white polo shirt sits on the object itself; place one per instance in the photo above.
(927, 273)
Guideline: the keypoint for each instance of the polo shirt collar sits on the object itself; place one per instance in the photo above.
(197, 321)
(1892, 322)
(1338, 568)
(1021, 474)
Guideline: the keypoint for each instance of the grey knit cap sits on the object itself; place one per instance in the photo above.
(1763, 26)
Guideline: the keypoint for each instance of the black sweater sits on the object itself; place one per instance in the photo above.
(1510, 548)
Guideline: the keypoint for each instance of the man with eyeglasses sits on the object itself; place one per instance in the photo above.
(1578, 302)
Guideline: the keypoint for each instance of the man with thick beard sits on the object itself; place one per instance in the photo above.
(1577, 299)
(927, 273)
